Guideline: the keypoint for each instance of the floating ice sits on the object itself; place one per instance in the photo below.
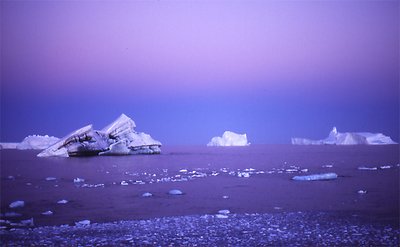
(362, 192)
(63, 201)
(28, 222)
(385, 167)
(327, 166)
(47, 213)
(118, 138)
(367, 168)
(79, 180)
(11, 177)
(243, 174)
(348, 138)
(313, 177)
(221, 216)
(147, 194)
(12, 214)
(224, 211)
(82, 223)
(183, 170)
(124, 183)
(51, 178)
(225, 197)
(37, 142)
(175, 192)
(17, 204)
(229, 138)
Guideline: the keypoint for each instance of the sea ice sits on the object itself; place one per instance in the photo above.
(362, 192)
(51, 178)
(367, 168)
(37, 142)
(124, 183)
(221, 216)
(17, 204)
(47, 213)
(224, 211)
(314, 177)
(347, 138)
(82, 223)
(28, 222)
(63, 201)
(229, 138)
(118, 138)
(175, 192)
(147, 194)
(79, 180)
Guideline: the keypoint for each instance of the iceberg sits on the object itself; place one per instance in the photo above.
(347, 138)
(31, 142)
(229, 138)
(118, 138)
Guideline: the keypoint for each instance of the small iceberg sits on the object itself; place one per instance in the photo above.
(175, 192)
(147, 194)
(361, 192)
(47, 213)
(79, 180)
(17, 204)
(82, 223)
(315, 177)
(62, 201)
(229, 138)
(224, 211)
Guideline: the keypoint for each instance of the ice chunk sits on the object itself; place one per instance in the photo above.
(147, 194)
(8, 145)
(79, 180)
(82, 223)
(221, 216)
(347, 138)
(17, 204)
(367, 168)
(124, 183)
(385, 167)
(63, 201)
(175, 192)
(224, 211)
(37, 142)
(51, 178)
(243, 174)
(47, 213)
(28, 222)
(313, 177)
(362, 192)
(229, 138)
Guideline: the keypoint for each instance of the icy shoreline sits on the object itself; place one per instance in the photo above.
(299, 228)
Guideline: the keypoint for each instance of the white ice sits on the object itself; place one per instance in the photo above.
(17, 204)
(347, 138)
(314, 177)
(229, 138)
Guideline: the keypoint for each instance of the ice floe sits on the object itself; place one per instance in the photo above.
(147, 194)
(51, 179)
(175, 192)
(63, 201)
(362, 192)
(314, 177)
(17, 204)
(47, 213)
(367, 168)
(82, 223)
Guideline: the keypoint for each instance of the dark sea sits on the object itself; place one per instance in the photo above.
(230, 196)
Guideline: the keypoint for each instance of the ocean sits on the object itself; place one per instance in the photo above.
(252, 184)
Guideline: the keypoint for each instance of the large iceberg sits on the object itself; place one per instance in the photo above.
(32, 142)
(229, 138)
(118, 138)
(347, 138)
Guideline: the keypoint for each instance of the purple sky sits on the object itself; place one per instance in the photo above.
(187, 71)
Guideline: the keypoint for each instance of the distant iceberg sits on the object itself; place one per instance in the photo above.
(347, 138)
(118, 138)
(32, 142)
(229, 138)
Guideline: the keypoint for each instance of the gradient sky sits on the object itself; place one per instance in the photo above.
(187, 71)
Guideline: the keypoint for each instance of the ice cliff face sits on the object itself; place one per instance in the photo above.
(347, 138)
(229, 139)
(118, 138)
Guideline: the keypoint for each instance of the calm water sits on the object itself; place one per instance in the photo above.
(254, 179)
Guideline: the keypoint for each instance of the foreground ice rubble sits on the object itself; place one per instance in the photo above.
(347, 138)
(118, 138)
(314, 177)
(229, 138)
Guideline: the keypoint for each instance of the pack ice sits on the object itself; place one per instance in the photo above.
(118, 138)
(347, 138)
(229, 138)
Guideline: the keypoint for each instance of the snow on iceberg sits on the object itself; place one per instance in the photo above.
(229, 138)
(314, 177)
(347, 138)
(118, 138)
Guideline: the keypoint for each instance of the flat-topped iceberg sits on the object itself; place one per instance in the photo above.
(32, 142)
(347, 138)
(229, 138)
(118, 138)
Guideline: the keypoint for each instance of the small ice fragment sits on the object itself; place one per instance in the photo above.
(147, 194)
(362, 192)
(47, 213)
(27, 222)
(79, 180)
(291, 170)
(327, 166)
(277, 208)
(314, 177)
(63, 201)
(224, 211)
(221, 216)
(243, 174)
(11, 177)
(124, 183)
(82, 223)
(175, 192)
(214, 173)
(225, 197)
(304, 170)
(367, 168)
(51, 178)
(183, 170)
(29, 184)
(17, 204)
(385, 167)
